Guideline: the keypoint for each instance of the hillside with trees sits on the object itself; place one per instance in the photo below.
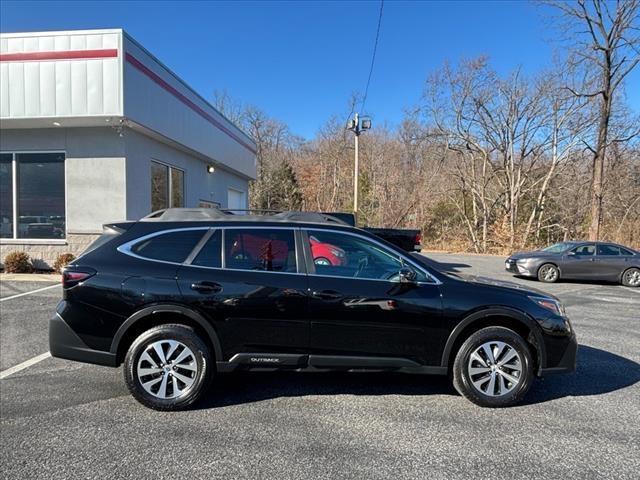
(483, 162)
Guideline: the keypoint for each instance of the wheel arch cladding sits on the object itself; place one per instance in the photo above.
(155, 315)
(513, 319)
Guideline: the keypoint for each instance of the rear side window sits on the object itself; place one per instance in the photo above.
(168, 247)
(211, 253)
(608, 250)
(260, 249)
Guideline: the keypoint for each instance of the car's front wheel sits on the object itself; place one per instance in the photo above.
(493, 368)
(548, 273)
(168, 367)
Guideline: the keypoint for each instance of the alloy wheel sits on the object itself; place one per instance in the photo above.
(495, 368)
(632, 277)
(549, 273)
(167, 369)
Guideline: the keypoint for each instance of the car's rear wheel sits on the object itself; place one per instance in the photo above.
(548, 273)
(493, 368)
(168, 367)
(631, 277)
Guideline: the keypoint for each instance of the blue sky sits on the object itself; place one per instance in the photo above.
(300, 61)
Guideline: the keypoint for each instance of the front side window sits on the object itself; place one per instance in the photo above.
(585, 250)
(37, 184)
(271, 250)
(343, 255)
(168, 247)
(557, 247)
(167, 187)
(608, 250)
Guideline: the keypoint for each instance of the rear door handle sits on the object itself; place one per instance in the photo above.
(206, 287)
(328, 295)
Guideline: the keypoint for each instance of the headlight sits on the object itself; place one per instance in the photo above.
(337, 253)
(550, 304)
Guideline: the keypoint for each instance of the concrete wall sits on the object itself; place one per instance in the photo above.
(94, 171)
(94, 184)
(140, 150)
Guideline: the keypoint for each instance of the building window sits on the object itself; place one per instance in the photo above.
(32, 190)
(167, 187)
(6, 195)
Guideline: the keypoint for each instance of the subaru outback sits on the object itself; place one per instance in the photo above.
(184, 295)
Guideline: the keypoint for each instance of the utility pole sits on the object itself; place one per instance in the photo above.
(357, 125)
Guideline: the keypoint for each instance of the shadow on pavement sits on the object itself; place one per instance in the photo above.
(599, 372)
(239, 388)
(569, 281)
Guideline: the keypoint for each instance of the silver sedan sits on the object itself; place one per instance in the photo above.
(579, 260)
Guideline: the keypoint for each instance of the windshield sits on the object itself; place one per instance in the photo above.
(557, 247)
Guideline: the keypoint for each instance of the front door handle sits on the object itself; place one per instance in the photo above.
(206, 287)
(328, 295)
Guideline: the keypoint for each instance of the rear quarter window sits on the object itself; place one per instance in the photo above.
(168, 247)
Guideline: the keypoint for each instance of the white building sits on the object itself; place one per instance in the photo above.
(93, 128)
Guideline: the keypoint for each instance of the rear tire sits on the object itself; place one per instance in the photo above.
(631, 277)
(493, 368)
(168, 367)
(548, 273)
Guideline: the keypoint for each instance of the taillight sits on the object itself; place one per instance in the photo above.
(418, 239)
(71, 278)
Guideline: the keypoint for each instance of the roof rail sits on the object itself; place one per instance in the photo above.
(185, 214)
(209, 214)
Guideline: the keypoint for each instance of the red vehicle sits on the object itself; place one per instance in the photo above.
(274, 252)
(326, 254)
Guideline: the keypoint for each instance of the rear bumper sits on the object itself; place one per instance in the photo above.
(64, 343)
(567, 363)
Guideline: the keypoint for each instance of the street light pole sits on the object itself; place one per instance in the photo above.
(356, 169)
(357, 125)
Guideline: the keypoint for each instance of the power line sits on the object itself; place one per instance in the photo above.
(373, 57)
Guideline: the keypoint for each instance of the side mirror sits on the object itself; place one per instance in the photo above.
(407, 275)
(571, 254)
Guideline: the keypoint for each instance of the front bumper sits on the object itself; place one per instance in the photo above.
(516, 268)
(567, 363)
(64, 343)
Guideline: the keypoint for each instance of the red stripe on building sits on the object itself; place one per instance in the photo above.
(173, 91)
(62, 55)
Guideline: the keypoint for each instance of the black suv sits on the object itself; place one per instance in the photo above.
(185, 294)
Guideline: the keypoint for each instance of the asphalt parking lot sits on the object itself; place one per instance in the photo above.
(62, 419)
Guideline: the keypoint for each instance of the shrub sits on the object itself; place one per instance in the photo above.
(62, 261)
(17, 262)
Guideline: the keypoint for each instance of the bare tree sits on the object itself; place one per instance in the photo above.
(607, 44)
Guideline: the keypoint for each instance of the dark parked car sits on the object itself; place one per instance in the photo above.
(410, 240)
(183, 295)
(579, 260)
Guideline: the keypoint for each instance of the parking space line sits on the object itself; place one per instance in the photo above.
(23, 365)
(28, 293)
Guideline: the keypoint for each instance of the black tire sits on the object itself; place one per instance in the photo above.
(628, 278)
(548, 273)
(462, 378)
(200, 358)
